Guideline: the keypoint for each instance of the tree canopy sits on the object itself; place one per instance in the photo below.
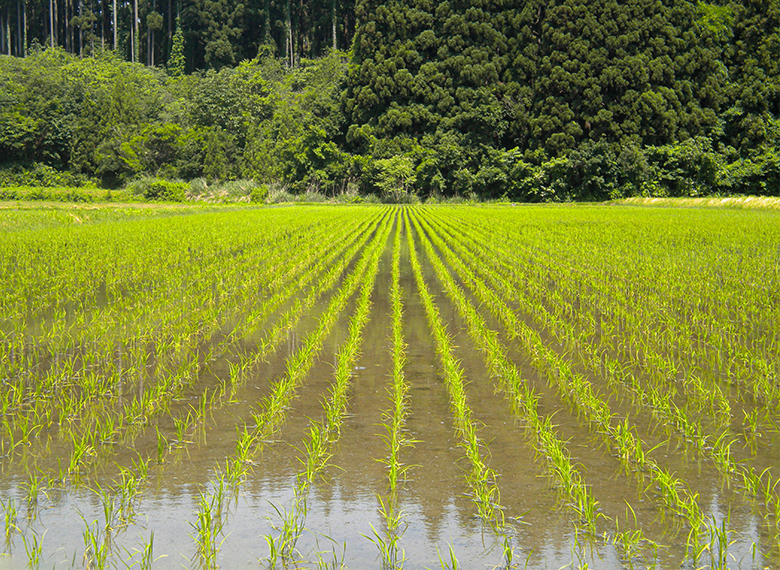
(543, 99)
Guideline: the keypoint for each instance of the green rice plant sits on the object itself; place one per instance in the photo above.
(208, 527)
(450, 562)
(162, 446)
(11, 518)
(388, 549)
(127, 486)
(141, 467)
(282, 549)
(34, 487)
(97, 546)
(33, 547)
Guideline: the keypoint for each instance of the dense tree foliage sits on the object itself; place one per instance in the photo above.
(537, 100)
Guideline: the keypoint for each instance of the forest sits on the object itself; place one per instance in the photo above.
(545, 100)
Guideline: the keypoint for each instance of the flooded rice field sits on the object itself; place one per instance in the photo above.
(391, 387)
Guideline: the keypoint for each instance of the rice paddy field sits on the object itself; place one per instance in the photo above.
(380, 387)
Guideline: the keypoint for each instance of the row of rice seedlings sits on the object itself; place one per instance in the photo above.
(579, 394)
(127, 273)
(154, 400)
(689, 327)
(193, 308)
(657, 401)
(247, 362)
(225, 391)
(271, 411)
(633, 343)
(552, 321)
(727, 343)
(323, 434)
(83, 448)
(718, 452)
(393, 421)
(522, 398)
(599, 360)
(195, 277)
(205, 512)
(481, 478)
(250, 318)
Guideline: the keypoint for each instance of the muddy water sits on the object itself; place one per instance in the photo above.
(343, 508)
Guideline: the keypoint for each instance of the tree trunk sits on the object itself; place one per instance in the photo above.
(68, 28)
(19, 50)
(169, 42)
(24, 25)
(2, 35)
(136, 46)
(288, 24)
(114, 16)
(56, 23)
(81, 28)
(267, 22)
(333, 21)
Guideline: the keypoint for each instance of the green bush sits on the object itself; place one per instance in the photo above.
(158, 190)
(62, 194)
(259, 194)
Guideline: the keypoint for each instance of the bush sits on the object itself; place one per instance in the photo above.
(61, 194)
(42, 175)
(259, 194)
(159, 190)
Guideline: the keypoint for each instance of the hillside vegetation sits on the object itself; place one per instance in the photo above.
(535, 101)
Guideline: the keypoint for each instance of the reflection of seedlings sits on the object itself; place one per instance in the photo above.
(750, 427)
(388, 543)
(147, 554)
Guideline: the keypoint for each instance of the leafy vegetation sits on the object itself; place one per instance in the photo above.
(548, 101)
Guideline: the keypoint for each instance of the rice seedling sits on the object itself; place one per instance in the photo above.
(10, 518)
(208, 526)
(33, 547)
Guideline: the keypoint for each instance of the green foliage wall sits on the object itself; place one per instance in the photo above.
(535, 100)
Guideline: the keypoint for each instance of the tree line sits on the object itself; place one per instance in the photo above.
(539, 100)
(216, 32)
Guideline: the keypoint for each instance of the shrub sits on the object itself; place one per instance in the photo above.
(158, 190)
(259, 194)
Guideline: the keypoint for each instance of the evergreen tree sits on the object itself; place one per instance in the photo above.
(176, 62)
